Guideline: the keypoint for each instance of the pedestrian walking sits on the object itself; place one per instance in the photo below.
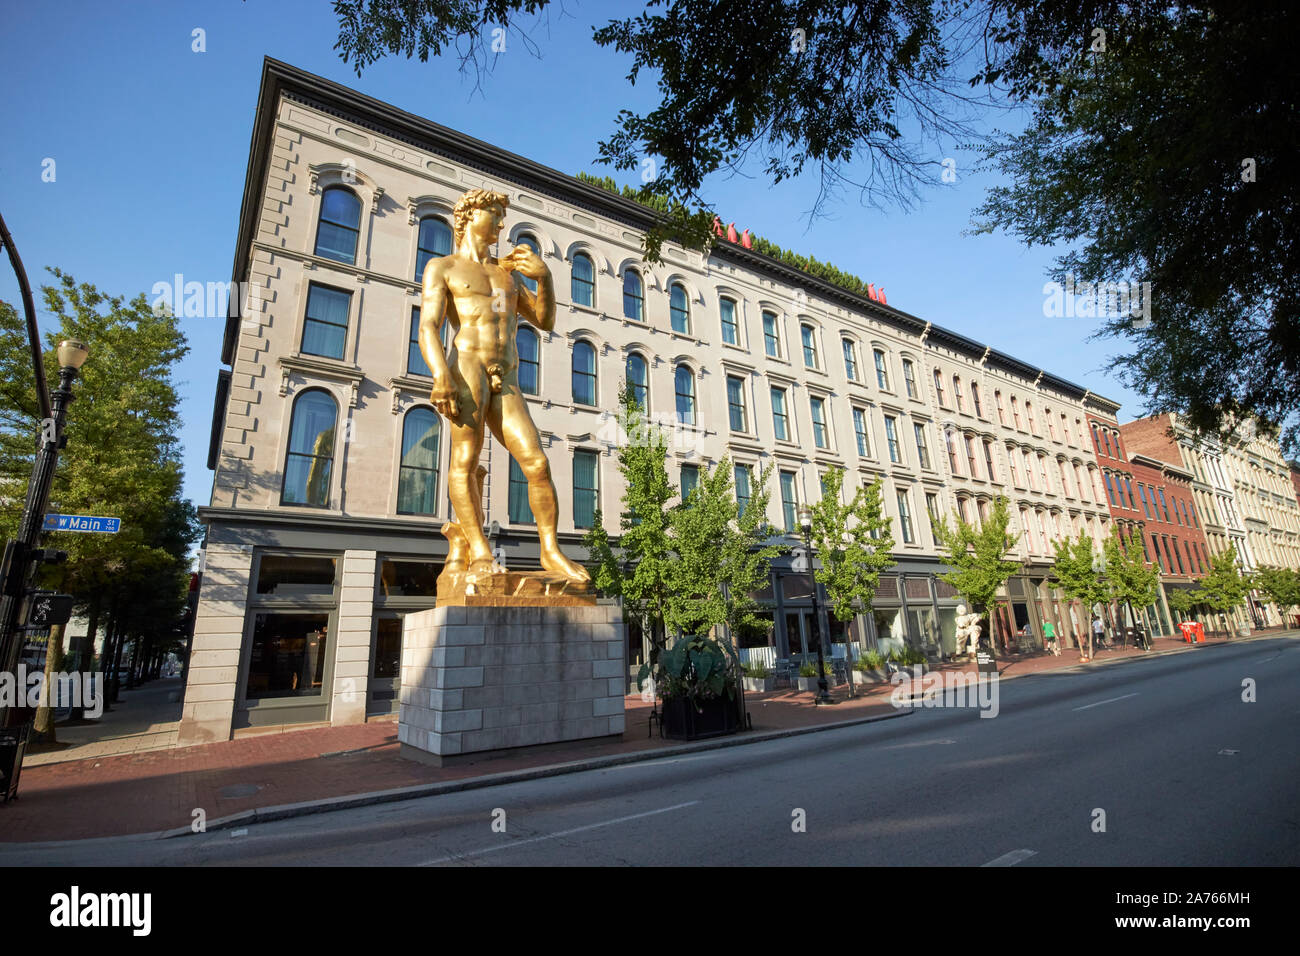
(1049, 638)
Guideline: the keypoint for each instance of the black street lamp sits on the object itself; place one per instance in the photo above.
(21, 553)
(823, 689)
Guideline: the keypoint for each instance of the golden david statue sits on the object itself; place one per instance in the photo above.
(483, 298)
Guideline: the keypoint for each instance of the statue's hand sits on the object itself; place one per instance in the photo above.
(526, 262)
(443, 396)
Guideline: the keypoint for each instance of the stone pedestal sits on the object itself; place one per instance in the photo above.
(484, 678)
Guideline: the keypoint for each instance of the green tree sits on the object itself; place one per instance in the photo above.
(1224, 587)
(1129, 578)
(1282, 585)
(122, 458)
(854, 543)
(1076, 575)
(978, 558)
(1160, 159)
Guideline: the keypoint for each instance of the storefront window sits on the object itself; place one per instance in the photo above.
(288, 657)
(890, 629)
(388, 647)
(408, 579)
(291, 575)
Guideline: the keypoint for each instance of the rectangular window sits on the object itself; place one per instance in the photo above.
(736, 404)
(922, 447)
(743, 493)
(909, 377)
(850, 360)
(690, 480)
(586, 488)
(988, 460)
(891, 439)
(1142, 493)
(905, 518)
(780, 422)
(860, 432)
(288, 654)
(1110, 489)
(789, 501)
(820, 434)
(520, 511)
(1128, 491)
(809, 346)
(325, 329)
(415, 363)
(771, 341)
(1015, 473)
(970, 456)
(932, 509)
(730, 331)
(882, 376)
(1164, 507)
(951, 444)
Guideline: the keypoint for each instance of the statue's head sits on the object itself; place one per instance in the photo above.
(472, 202)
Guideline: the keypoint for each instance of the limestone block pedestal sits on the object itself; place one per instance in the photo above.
(484, 678)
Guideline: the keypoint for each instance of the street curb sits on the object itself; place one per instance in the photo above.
(1081, 666)
(288, 810)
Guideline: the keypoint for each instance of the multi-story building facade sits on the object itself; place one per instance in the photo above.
(1242, 493)
(1170, 530)
(329, 462)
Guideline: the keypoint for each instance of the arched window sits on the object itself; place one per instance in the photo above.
(938, 387)
(771, 335)
(637, 379)
(434, 242)
(850, 359)
(584, 373)
(529, 364)
(417, 478)
(310, 461)
(583, 287)
(633, 296)
(679, 308)
(882, 374)
(684, 385)
(339, 226)
(730, 325)
(530, 243)
(975, 399)
(809, 346)
(957, 393)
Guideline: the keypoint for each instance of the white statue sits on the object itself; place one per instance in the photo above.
(968, 629)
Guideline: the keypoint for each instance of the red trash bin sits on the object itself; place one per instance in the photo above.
(1200, 632)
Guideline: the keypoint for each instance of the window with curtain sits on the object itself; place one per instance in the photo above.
(809, 346)
(850, 359)
(736, 404)
(530, 366)
(586, 488)
(519, 510)
(860, 432)
(679, 309)
(583, 286)
(339, 226)
(434, 242)
(743, 493)
(771, 339)
(730, 329)
(684, 386)
(415, 363)
(789, 501)
(417, 479)
(310, 461)
(633, 296)
(690, 480)
(325, 328)
(637, 378)
(780, 422)
(821, 435)
(882, 374)
(584, 373)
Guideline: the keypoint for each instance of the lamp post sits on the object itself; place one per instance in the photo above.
(823, 690)
(19, 553)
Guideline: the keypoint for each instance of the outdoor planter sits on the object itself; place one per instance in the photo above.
(759, 685)
(715, 717)
(810, 683)
(872, 676)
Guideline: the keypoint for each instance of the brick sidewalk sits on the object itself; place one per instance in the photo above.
(159, 790)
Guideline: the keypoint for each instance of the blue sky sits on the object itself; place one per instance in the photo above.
(150, 143)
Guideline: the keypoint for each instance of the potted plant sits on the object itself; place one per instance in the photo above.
(871, 666)
(698, 679)
(758, 678)
(808, 675)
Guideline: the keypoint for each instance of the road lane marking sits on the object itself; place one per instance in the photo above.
(556, 836)
(1109, 701)
(1012, 858)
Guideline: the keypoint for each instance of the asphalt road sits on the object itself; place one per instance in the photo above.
(1157, 761)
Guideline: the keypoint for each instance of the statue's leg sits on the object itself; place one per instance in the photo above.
(464, 481)
(509, 420)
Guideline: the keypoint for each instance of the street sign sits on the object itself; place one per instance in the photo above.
(81, 523)
(47, 608)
